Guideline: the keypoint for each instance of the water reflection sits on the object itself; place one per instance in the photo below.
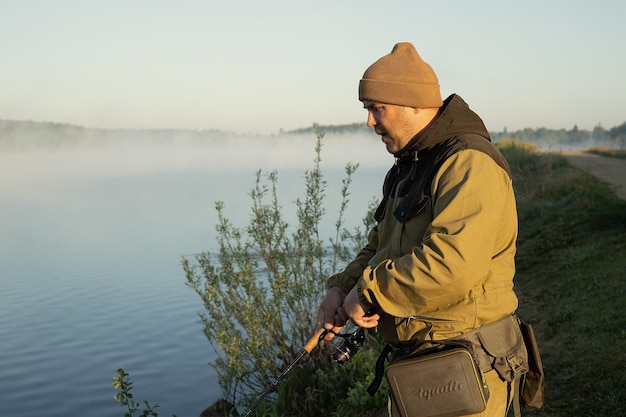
(90, 263)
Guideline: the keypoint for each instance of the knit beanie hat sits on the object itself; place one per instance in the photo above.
(401, 78)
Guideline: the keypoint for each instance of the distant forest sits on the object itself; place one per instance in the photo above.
(30, 134)
(549, 140)
(16, 134)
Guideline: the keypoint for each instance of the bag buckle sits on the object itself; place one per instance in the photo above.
(517, 366)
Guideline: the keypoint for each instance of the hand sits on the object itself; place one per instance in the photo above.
(362, 314)
(330, 314)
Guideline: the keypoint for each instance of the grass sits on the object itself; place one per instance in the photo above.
(570, 281)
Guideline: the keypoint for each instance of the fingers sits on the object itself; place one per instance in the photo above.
(330, 314)
(341, 317)
(321, 318)
(331, 317)
(367, 321)
(363, 315)
(331, 335)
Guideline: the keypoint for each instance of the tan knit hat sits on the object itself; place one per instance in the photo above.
(401, 78)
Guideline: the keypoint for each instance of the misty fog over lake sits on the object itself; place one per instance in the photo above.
(92, 239)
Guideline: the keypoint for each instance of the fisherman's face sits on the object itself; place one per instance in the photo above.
(395, 124)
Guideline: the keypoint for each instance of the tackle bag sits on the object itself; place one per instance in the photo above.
(442, 381)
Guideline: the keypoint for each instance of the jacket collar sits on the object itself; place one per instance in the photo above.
(454, 117)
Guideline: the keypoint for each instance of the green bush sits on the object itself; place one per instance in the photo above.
(262, 288)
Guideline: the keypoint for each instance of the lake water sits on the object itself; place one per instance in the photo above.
(90, 277)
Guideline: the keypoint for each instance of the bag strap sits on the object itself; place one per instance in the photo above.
(517, 408)
(380, 369)
(517, 381)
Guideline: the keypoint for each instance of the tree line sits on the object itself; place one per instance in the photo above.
(562, 139)
(545, 139)
(24, 134)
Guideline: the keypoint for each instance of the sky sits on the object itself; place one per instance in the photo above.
(262, 66)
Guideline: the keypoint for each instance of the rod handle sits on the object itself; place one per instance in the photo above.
(313, 341)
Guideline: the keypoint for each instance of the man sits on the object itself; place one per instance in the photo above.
(439, 263)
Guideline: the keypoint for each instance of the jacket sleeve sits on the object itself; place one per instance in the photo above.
(454, 255)
(354, 270)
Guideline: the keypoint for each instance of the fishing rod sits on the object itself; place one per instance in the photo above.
(308, 347)
(353, 338)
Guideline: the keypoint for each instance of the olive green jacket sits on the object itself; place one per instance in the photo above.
(440, 260)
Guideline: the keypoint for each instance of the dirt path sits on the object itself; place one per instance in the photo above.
(609, 170)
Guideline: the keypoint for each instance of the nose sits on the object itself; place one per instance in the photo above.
(371, 121)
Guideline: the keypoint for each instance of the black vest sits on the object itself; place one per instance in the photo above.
(411, 178)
